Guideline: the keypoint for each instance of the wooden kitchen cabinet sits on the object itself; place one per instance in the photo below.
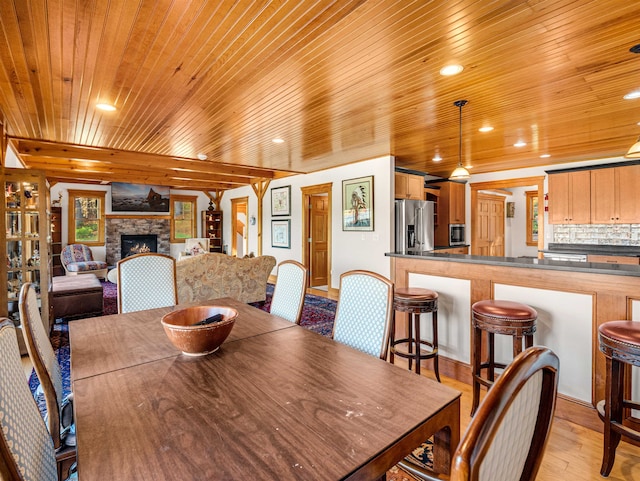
(453, 250)
(607, 259)
(615, 196)
(451, 209)
(570, 197)
(409, 186)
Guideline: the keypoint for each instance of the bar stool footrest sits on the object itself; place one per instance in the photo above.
(403, 351)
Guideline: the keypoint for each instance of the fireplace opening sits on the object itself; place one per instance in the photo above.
(137, 244)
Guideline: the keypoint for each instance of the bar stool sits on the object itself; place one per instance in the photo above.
(415, 301)
(620, 343)
(498, 317)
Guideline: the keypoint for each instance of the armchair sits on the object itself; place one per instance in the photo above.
(78, 259)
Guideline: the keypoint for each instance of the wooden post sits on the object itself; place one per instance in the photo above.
(216, 198)
(260, 188)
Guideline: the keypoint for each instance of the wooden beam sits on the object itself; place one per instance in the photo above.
(38, 148)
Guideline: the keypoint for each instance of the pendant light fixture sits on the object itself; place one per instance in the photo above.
(460, 173)
(634, 151)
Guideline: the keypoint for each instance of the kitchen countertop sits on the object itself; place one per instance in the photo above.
(613, 250)
(529, 262)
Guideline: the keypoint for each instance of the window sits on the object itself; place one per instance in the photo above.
(86, 217)
(532, 217)
(183, 217)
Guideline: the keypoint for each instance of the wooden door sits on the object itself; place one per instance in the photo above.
(488, 235)
(239, 225)
(319, 240)
(316, 222)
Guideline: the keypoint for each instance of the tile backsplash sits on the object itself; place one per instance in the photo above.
(606, 234)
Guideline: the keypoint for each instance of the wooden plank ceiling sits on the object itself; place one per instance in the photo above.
(338, 81)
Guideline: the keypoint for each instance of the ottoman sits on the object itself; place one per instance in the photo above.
(76, 296)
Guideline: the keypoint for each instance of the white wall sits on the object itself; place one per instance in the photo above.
(350, 250)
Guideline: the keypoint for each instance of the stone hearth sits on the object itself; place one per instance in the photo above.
(115, 227)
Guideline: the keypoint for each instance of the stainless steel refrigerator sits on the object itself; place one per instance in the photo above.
(414, 226)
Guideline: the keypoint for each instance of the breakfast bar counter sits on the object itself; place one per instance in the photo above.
(572, 299)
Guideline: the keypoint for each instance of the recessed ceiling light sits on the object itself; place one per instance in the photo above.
(632, 95)
(277, 140)
(453, 69)
(520, 143)
(106, 107)
(202, 156)
(545, 156)
(437, 158)
(486, 128)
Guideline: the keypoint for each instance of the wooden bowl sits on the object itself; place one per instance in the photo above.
(198, 340)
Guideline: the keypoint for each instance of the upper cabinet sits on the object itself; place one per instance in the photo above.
(570, 197)
(451, 205)
(409, 186)
(450, 209)
(615, 196)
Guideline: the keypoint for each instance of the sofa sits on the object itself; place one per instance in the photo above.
(212, 275)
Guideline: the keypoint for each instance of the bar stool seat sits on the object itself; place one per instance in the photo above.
(415, 301)
(620, 343)
(497, 317)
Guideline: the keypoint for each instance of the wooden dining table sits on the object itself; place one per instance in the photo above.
(275, 402)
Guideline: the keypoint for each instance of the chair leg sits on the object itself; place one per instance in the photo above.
(392, 337)
(476, 361)
(517, 345)
(613, 410)
(434, 319)
(410, 318)
(491, 373)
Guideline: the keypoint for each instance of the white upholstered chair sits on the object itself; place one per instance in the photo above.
(505, 440)
(146, 281)
(47, 369)
(26, 448)
(363, 314)
(288, 294)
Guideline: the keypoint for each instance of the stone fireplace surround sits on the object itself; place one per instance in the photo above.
(116, 226)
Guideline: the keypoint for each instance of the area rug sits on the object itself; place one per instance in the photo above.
(317, 315)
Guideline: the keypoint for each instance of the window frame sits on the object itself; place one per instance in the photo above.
(530, 196)
(100, 195)
(193, 200)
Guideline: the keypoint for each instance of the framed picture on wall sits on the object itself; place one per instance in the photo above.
(281, 233)
(281, 200)
(357, 204)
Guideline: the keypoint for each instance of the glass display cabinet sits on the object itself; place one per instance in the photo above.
(25, 250)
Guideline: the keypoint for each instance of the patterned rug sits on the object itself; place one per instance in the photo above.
(317, 315)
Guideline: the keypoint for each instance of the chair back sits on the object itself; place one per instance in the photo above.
(505, 440)
(288, 294)
(146, 281)
(43, 358)
(76, 253)
(26, 448)
(363, 314)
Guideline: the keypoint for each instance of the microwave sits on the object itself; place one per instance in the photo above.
(457, 235)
